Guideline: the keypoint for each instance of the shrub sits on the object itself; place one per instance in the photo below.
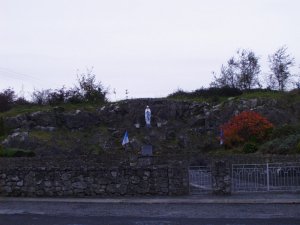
(21, 101)
(179, 94)
(250, 147)
(90, 90)
(298, 148)
(40, 97)
(7, 98)
(285, 130)
(2, 129)
(285, 145)
(246, 126)
(213, 92)
(73, 96)
(57, 96)
(14, 152)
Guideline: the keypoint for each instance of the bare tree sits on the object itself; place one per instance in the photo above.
(227, 75)
(240, 72)
(248, 70)
(280, 63)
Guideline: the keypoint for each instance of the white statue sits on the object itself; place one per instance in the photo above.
(148, 116)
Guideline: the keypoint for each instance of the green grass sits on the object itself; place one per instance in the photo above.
(66, 140)
(23, 109)
(91, 107)
(16, 110)
(213, 99)
(15, 152)
(41, 135)
(262, 94)
(289, 97)
(237, 150)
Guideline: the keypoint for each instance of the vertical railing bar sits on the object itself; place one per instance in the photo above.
(268, 178)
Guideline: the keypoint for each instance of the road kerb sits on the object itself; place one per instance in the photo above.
(154, 200)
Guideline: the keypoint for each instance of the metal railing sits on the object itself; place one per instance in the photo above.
(265, 177)
(200, 179)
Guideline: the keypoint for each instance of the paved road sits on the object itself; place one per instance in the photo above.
(153, 210)
(28, 219)
(190, 211)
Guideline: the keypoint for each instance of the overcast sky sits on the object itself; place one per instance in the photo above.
(150, 47)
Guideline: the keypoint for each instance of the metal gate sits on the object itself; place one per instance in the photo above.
(200, 179)
(265, 177)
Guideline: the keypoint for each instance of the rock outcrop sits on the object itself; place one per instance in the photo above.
(176, 125)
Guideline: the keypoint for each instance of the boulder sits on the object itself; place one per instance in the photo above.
(17, 139)
(44, 119)
(80, 119)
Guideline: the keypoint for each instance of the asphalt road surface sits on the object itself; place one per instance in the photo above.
(72, 213)
(28, 219)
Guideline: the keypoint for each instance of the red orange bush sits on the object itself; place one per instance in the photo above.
(246, 126)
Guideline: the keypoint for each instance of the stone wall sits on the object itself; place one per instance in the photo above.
(92, 179)
(100, 176)
(221, 180)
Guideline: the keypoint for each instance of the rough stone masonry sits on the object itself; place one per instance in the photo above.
(89, 178)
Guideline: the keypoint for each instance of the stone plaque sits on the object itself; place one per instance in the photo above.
(147, 150)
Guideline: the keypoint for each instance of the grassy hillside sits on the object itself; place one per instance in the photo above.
(176, 137)
(218, 95)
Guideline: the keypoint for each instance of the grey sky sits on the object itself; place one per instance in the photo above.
(149, 47)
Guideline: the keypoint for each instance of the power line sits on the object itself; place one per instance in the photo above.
(21, 76)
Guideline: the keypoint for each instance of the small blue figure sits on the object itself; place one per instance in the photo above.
(221, 137)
